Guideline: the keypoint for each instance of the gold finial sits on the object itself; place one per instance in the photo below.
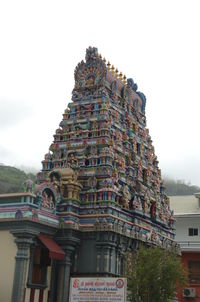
(124, 80)
(116, 72)
(113, 69)
(108, 65)
(104, 60)
(100, 57)
(120, 76)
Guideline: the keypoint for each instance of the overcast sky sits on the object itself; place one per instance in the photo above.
(157, 43)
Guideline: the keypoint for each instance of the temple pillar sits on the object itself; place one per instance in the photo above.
(106, 259)
(122, 269)
(98, 260)
(111, 262)
(68, 242)
(117, 262)
(63, 284)
(53, 281)
(23, 242)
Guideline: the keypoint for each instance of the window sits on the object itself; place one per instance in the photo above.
(194, 272)
(192, 232)
(39, 261)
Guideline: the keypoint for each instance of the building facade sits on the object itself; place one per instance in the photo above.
(99, 192)
(187, 214)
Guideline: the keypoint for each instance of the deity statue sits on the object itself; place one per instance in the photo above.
(126, 197)
(89, 82)
(136, 203)
(153, 210)
(146, 203)
(47, 201)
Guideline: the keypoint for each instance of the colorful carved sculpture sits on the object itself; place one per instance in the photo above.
(103, 134)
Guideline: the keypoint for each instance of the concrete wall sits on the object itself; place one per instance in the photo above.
(186, 257)
(87, 260)
(182, 226)
(8, 250)
(190, 247)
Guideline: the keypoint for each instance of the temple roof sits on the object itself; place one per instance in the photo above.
(185, 205)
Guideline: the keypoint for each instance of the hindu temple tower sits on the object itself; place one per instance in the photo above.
(99, 192)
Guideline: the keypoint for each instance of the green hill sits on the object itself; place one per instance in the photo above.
(11, 179)
(179, 187)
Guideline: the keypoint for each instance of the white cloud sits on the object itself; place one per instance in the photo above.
(13, 111)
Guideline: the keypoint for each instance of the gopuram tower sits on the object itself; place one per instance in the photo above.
(103, 167)
(99, 193)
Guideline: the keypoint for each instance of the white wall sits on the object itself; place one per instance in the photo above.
(8, 250)
(182, 225)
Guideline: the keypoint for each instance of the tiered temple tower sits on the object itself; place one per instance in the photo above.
(115, 197)
(99, 193)
(104, 139)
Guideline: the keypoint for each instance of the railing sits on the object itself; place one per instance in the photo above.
(189, 244)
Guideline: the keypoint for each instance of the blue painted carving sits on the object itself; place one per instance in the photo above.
(134, 87)
(143, 98)
(132, 84)
(91, 53)
(18, 214)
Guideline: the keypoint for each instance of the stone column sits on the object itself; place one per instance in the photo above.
(116, 261)
(64, 276)
(19, 283)
(76, 261)
(106, 259)
(111, 260)
(98, 268)
(119, 263)
(53, 281)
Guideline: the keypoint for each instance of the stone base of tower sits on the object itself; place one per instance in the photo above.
(77, 240)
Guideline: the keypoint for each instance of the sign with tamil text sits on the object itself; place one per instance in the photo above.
(98, 289)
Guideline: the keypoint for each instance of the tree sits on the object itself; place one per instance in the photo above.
(154, 274)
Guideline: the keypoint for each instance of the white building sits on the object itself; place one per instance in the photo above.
(187, 215)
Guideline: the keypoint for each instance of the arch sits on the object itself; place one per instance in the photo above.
(48, 198)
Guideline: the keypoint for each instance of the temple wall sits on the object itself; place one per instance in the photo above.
(8, 250)
(86, 258)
